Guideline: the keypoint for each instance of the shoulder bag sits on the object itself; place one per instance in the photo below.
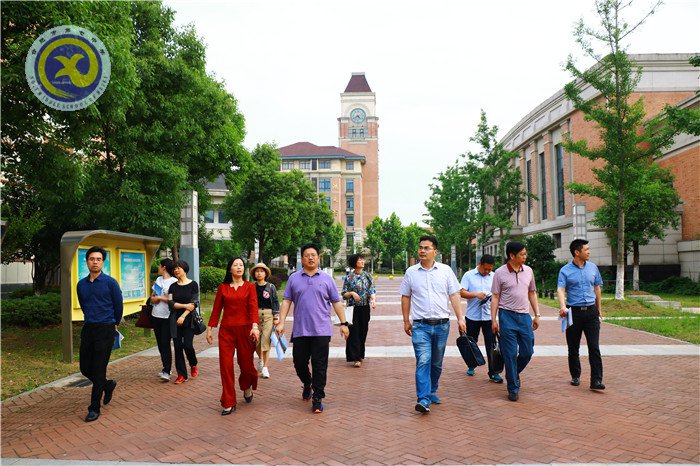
(470, 351)
(145, 316)
(197, 322)
(496, 356)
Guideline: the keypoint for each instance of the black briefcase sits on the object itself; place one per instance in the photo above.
(496, 356)
(470, 351)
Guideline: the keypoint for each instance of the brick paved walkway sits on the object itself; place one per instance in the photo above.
(649, 414)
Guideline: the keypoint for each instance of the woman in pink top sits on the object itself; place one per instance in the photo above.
(238, 333)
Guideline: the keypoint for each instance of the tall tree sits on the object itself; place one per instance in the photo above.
(374, 240)
(413, 233)
(453, 207)
(628, 140)
(497, 184)
(162, 126)
(334, 240)
(280, 209)
(394, 237)
(540, 255)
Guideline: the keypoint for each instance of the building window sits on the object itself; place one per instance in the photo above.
(559, 152)
(314, 164)
(314, 181)
(222, 217)
(349, 186)
(350, 220)
(328, 201)
(304, 165)
(287, 165)
(557, 240)
(350, 203)
(350, 165)
(353, 133)
(324, 185)
(209, 216)
(543, 187)
(324, 164)
(362, 132)
(350, 242)
(528, 170)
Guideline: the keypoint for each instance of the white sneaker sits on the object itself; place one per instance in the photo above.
(260, 365)
(265, 373)
(164, 376)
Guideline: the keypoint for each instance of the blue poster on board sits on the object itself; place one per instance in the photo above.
(133, 274)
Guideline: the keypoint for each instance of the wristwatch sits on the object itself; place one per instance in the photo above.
(345, 323)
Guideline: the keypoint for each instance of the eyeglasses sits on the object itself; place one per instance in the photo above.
(428, 248)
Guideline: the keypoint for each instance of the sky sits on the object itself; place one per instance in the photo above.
(432, 65)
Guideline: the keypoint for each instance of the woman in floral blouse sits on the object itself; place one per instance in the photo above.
(358, 289)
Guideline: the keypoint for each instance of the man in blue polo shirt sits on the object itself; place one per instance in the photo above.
(101, 300)
(476, 288)
(579, 288)
(313, 293)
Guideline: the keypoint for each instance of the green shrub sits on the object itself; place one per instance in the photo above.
(210, 278)
(155, 264)
(20, 293)
(32, 311)
(280, 272)
(674, 285)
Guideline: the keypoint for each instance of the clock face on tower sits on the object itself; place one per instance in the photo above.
(357, 115)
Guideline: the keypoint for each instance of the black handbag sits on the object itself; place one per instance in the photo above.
(496, 356)
(145, 319)
(197, 322)
(470, 351)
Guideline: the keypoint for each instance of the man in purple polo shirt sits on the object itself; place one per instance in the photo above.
(313, 293)
(512, 293)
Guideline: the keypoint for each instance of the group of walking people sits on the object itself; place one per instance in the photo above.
(498, 306)
(247, 314)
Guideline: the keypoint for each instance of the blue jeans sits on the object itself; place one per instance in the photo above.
(517, 344)
(429, 343)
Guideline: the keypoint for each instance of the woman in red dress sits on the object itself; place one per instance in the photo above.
(238, 333)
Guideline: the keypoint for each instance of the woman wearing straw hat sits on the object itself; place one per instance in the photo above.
(268, 312)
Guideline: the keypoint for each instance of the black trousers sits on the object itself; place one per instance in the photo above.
(355, 346)
(184, 346)
(473, 328)
(161, 327)
(315, 349)
(585, 322)
(96, 341)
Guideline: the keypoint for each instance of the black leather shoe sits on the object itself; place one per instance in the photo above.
(226, 412)
(597, 385)
(575, 381)
(248, 399)
(513, 396)
(109, 389)
(92, 416)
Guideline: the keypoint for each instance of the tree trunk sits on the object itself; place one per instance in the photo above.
(392, 266)
(176, 256)
(635, 273)
(620, 277)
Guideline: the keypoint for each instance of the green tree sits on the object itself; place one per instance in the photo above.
(628, 140)
(334, 240)
(413, 233)
(496, 183)
(162, 126)
(279, 209)
(540, 255)
(374, 240)
(651, 203)
(394, 237)
(453, 208)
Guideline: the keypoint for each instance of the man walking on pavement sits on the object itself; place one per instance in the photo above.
(313, 293)
(513, 287)
(476, 288)
(427, 290)
(579, 288)
(101, 301)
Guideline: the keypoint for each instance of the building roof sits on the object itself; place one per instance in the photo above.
(218, 183)
(306, 149)
(358, 83)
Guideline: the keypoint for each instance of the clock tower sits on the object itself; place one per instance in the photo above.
(358, 133)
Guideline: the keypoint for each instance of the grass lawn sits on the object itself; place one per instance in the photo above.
(33, 357)
(675, 323)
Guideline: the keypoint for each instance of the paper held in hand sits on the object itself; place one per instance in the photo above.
(567, 321)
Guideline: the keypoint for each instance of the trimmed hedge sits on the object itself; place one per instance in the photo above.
(32, 311)
(674, 285)
(210, 278)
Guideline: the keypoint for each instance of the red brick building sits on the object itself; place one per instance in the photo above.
(546, 169)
